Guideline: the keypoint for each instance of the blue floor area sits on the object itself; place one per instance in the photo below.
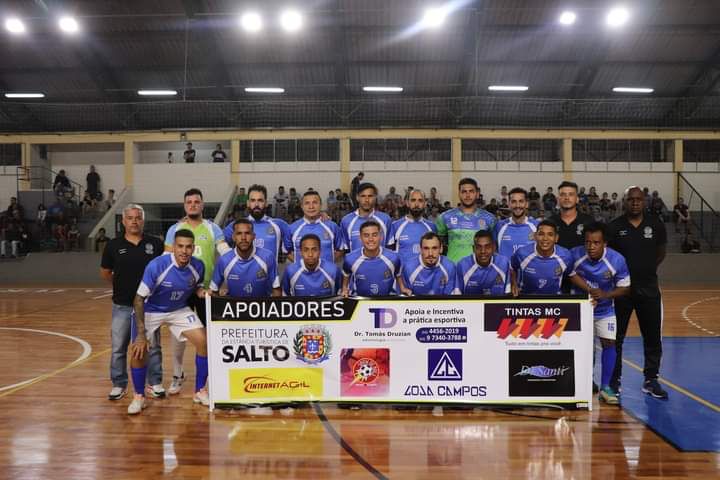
(691, 363)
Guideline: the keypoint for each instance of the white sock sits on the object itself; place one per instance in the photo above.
(178, 349)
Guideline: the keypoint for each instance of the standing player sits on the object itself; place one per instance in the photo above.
(570, 222)
(162, 298)
(311, 276)
(484, 272)
(249, 271)
(209, 239)
(270, 233)
(429, 273)
(123, 262)
(518, 230)
(458, 226)
(603, 274)
(332, 243)
(405, 233)
(641, 239)
(540, 268)
(350, 224)
(370, 271)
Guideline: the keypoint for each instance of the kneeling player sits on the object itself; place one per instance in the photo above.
(162, 298)
(602, 272)
(311, 276)
(429, 273)
(484, 272)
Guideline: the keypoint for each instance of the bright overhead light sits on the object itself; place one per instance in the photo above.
(567, 18)
(251, 22)
(167, 93)
(434, 17)
(291, 20)
(14, 25)
(383, 89)
(68, 25)
(508, 88)
(617, 17)
(633, 90)
(264, 90)
(24, 95)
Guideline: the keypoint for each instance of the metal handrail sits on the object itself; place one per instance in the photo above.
(707, 234)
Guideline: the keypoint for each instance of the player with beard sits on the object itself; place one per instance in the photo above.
(270, 233)
(430, 272)
(518, 230)
(351, 223)
(405, 233)
(208, 241)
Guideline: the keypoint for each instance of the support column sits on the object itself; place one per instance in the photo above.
(129, 162)
(25, 161)
(567, 159)
(235, 162)
(678, 166)
(345, 164)
(456, 161)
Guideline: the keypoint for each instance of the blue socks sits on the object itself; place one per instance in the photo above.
(138, 378)
(201, 365)
(608, 364)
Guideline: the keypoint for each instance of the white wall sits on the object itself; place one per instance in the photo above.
(111, 176)
(708, 184)
(156, 152)
(88, 154)
(163, 183)
(8, 188)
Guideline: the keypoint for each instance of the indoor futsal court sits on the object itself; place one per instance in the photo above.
(439, 239)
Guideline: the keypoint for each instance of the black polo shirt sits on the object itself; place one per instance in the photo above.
(127, 262)
(572, 235)
(639, 247)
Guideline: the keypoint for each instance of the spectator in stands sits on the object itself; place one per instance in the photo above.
(446, 206)
(73, 236)
(503, 193)
(433, 201)
(605, 204)
(616, 207)
(88, 203)
(294, 209)
(393, 196)
(93, 184)
(101, 240)
(492, 207)
(60, 232)
(241, 198)
(110, 200)
(657, 206)
(682, 215)
(14, 207)
(534, 204)
(549, 201)
(593, 201)
(61, 185)
(9, 237)
(280, 201)
(648, 200)
(189, 153)
(218, 155)
(582, 196)
(503, 209)
(690, 244)
(331, 203)
(41, 219)
(480, 202)
(170, 158)
(354, 184)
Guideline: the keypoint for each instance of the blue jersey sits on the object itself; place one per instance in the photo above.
(351, 223)
(331, 238)
(608, 273)
(405, 235)
(167, 286)
(254, 277)
(371, 276)
(474, 279)
(541, 275)
(270, 234)
(423, 280)
(510, 235)
(324, 281)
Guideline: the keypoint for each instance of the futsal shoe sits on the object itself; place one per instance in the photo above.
(137, 405)
(117, 393)
(155, 391)
(609, 396)
(652, 387)
(176, 384)
(201, 396)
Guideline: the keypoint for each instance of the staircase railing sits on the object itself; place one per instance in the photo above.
(41, 179)
(703, 217)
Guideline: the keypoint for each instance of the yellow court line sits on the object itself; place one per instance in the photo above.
(689, 394)
(56, 372)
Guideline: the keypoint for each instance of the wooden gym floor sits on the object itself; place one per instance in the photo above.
(56, 421)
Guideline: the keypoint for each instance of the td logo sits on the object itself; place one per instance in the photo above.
(383, 317)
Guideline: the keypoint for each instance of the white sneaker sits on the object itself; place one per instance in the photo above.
(137, 405)
(155, 391)
(176, 384)
(117, 393)
(201, 396)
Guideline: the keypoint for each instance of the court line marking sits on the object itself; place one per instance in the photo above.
(678, 388)
(87, 350)
(346, 446)
(102, 296)
(685, 316)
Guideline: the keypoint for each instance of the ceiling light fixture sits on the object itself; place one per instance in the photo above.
(633, 90)
(15, 25)
(507, 88)
(567, 18)
(617, 17)
(68, 25)
(383, 89)
(24, 95)
(251, 22)
(291, 20)
(434, 17)
(161, 93)
(264, 90)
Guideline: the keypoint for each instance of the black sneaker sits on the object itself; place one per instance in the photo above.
(652, 387)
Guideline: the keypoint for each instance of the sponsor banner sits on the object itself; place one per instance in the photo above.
(440, 349)
(538, 373)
